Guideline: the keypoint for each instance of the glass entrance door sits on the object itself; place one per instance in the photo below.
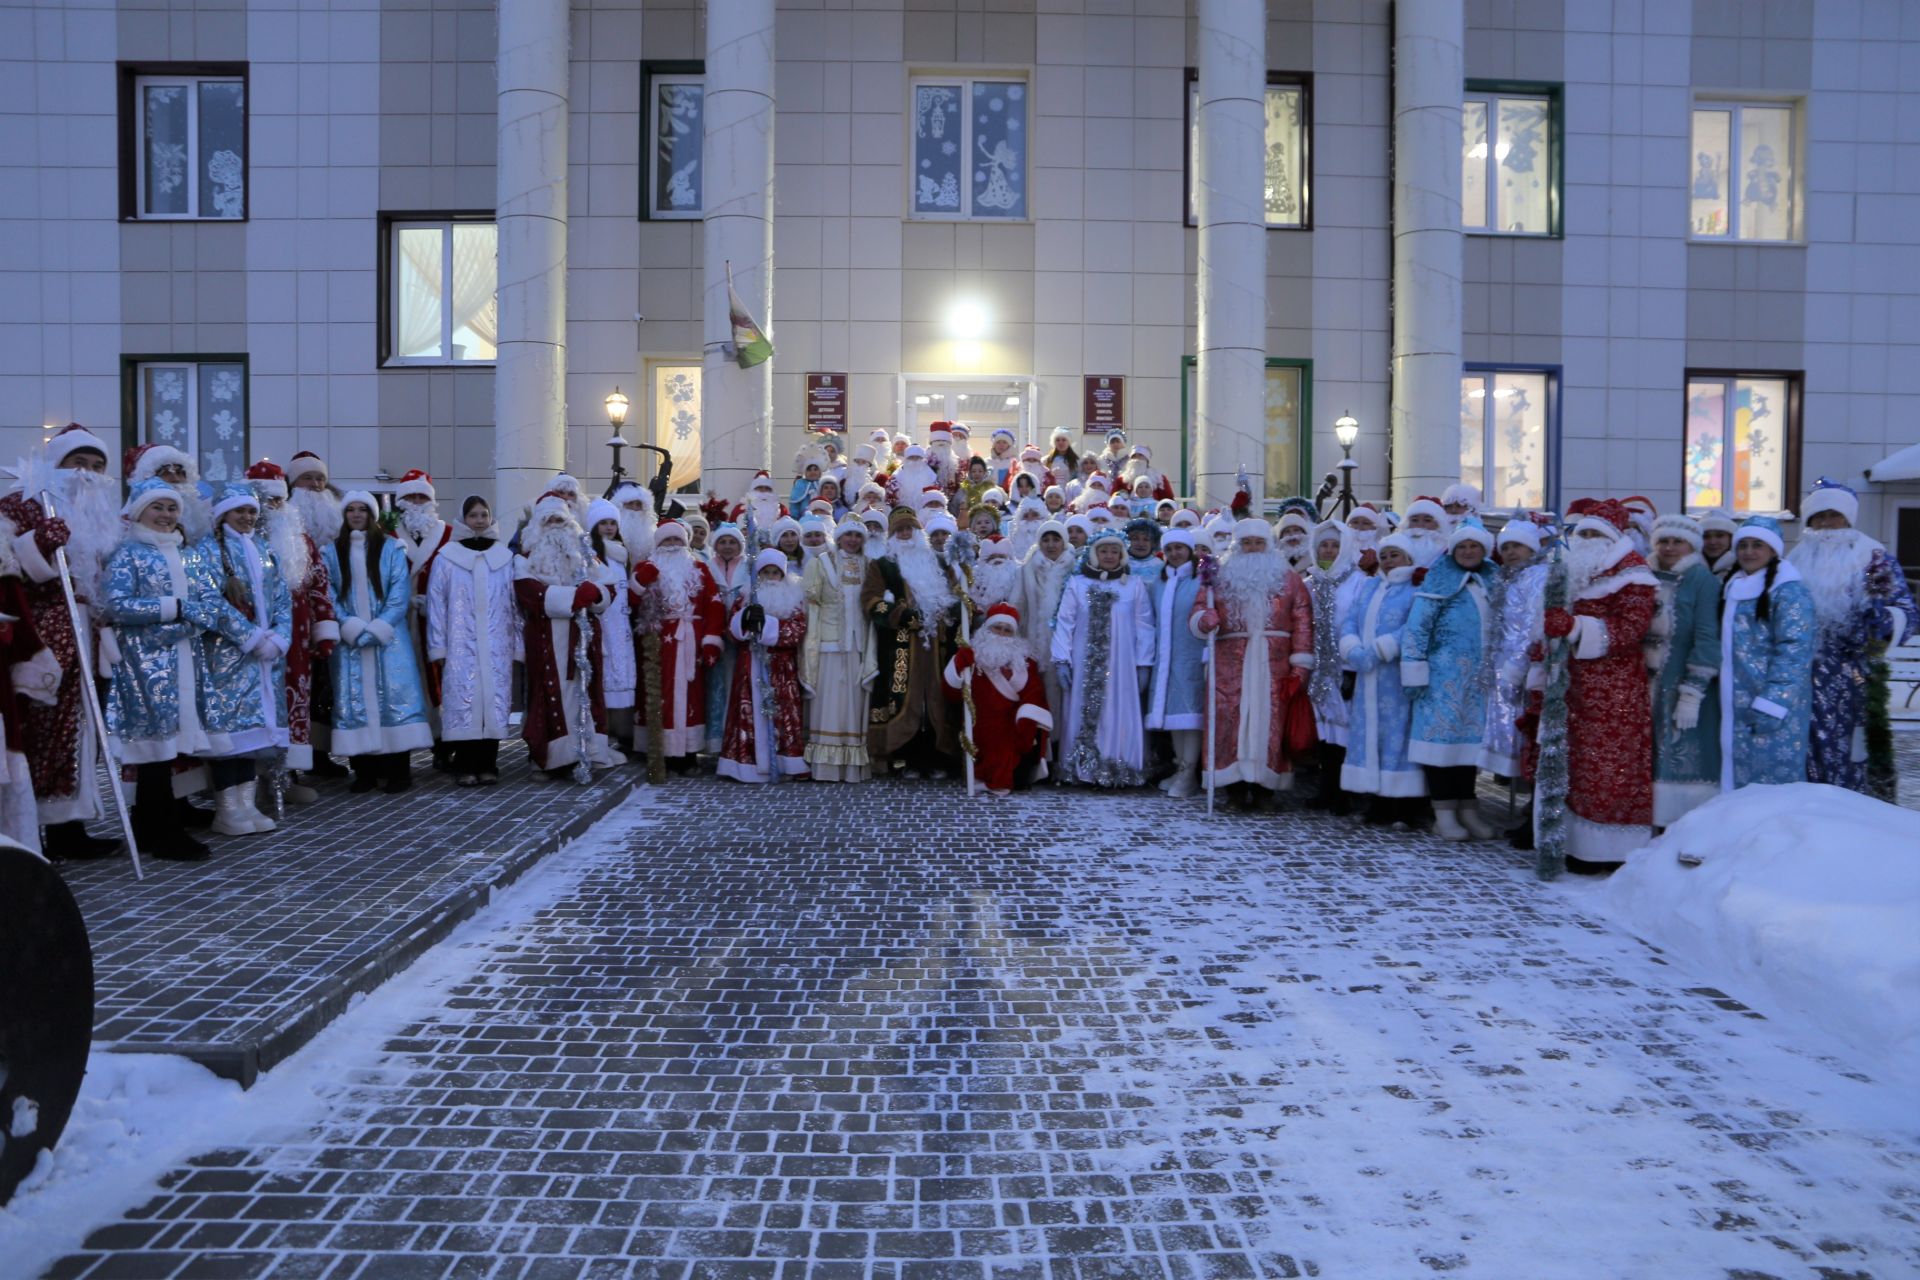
(984, 406)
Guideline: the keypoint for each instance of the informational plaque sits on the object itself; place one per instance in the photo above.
(826, 402)
(1106, 403)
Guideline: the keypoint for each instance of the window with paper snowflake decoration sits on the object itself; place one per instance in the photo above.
(165, 428)
(225, 424)
(680, 389)
(226, 384)
(684, 423)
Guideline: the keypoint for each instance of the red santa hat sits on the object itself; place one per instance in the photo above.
(940, 433)
(1031, 454)
(1427, 506)
(303, 463)
(995, 548)
(761, 480)
(1003, 613)
(415, 484)
(71, 438)
(1608, 517)
(669, 529)
(269, 481)
(144, 461)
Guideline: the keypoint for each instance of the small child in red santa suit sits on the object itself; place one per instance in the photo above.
(1010, 717)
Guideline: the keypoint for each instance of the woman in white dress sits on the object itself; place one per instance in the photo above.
(1103, 648)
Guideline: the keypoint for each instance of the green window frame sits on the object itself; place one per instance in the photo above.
(1278, 487)
(1553, 92)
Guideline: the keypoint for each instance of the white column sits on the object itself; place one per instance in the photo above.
(530, 371)
(1230, 166)
(1428, 80)
(736, 418)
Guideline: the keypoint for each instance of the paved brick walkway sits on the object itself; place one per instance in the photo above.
(775, 1033)
(237, 961)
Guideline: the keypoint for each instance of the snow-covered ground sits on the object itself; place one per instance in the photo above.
(140, 1115)
(1804, 903)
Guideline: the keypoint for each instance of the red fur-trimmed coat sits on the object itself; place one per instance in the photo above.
(1609, 715)
(552, 740)
(1289, 661)
(314, 626)
(739, 757)
(689, 644)
(1011, 721)
(52, 732)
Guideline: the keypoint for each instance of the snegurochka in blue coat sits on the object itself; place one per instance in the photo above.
(1379, 722)
(1177, 696)
(379, 702)
(1768, 635)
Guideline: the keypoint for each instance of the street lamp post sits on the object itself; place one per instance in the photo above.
(1346, 429)
(617, 416)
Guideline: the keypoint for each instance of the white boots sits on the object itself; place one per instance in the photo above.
(1186, 750)
(235, 815)
(1459, 820)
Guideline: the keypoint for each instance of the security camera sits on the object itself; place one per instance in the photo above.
(638, 318)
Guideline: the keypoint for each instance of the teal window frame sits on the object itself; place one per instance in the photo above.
(1555, 94)
(1301, 483)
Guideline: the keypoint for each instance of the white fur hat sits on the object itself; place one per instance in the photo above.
(1252, 527)
(1685, 528)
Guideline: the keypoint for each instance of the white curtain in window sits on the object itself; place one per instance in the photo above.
(419, 292)
(475, 307)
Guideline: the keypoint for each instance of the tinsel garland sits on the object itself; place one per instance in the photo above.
(1550, 777)
(583, 710)
(1883, 779)
(1096, 672)
(650, 681)
(1323, 688)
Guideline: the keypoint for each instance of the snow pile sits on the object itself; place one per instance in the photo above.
(1805, 902)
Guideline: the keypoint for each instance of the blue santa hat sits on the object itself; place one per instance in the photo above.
(1761, 529)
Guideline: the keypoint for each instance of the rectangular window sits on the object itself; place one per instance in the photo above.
(437, 282)
(675, 140)
(1507, 424)
(969, 147)
(1510, 159)
(197, 404)
(673, 415)
(1743, 183)
(1289, 142)
(1742, 441)
(183, 143)
(1289, 407)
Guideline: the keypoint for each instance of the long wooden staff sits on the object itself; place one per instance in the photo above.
(91, 697)
(1212, 668)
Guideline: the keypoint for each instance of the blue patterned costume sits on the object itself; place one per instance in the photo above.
(161, 598)
(243, 701)
(1521, 593)
(1444, 662)
(1766, 685)
(1380, 720)
(1882, 610)
(1685, 655)
(375, 655)
(1177, 698)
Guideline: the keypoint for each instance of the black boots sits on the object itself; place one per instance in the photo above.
(69, 842)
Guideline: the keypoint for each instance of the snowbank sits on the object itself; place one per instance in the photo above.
(1806, 903)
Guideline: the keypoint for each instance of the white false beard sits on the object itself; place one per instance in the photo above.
(287, 539)
(780, 599)
(859, 475)
(941, 458)
(1590, 558)
(418, 519)
(1833, 563)
(995, 582)
(558, 556)
(1251, 579)
(910, 479)
(996, 650)
(924, 575)
(679, 580)
(1136, 470)
(636, 530)
(89, 505)
(319, 511)
(1428, 545)
(1363, 539)
(1295, 550)
(1025, 536)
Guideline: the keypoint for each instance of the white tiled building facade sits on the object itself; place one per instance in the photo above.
(1661, 275)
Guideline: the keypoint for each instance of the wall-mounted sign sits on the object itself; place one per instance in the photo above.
(826, 402)
(1106, 403)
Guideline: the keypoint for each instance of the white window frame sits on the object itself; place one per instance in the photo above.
(446, 226)
(1492, 100)
(966, 80)
(1796, 216)
(1550, 429)
(192, 84)
(190, 369)
(655, 213)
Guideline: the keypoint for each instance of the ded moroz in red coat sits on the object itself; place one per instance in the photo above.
(1263, 662)
(690, 631)
(1609, 715)
(1011, 721)
(553, 673)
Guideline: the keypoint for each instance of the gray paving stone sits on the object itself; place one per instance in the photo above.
(779, 1033)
